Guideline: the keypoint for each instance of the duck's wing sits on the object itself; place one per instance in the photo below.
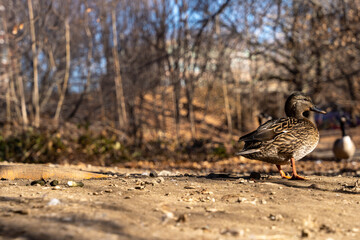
(268, 131)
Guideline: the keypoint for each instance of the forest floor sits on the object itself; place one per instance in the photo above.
(207, 200)
(134, 204)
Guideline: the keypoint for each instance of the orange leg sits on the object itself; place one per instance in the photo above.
(295, 176)
(282, 173)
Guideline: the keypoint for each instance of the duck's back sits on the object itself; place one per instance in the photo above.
(285, 138)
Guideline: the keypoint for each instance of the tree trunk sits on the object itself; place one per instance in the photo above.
(35, 97)
(176, 97)
(20, 84)
(227, 104)
(8, 100)
(190, 107)
(238, 107)
(88, 66)
(67, 72)
(120, 100)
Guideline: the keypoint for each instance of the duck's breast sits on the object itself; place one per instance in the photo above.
(309, 139)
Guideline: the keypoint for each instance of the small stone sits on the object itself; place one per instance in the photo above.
(40, 182)
(167, 216)
(205, 228)
(326, 229)
(206, 192)
(314, 186)
(241, 199)
(276, 217)
(56, 188)
(232, 232)
(213, 210)
(305, 233)
(74, 184)
(153, 173)
(108, 191)
(140, 187)
(23, 211)
(165, 173)
(153, 183)
(242, 180)
(54, 183)
(255, 175)
(182, 218)
(189, 187)
(53, 202)
(160, 180)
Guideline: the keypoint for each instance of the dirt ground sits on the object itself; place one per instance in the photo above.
(135, 204)
(192, 201)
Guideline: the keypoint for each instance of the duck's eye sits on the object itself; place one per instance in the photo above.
(306, 100)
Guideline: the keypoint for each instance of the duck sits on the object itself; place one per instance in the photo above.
(344, 147)
(285, 140)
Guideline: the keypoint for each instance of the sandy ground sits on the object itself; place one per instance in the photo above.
(182, 205)
(204, 201)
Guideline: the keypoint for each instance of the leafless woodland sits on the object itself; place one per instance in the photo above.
(155, 65)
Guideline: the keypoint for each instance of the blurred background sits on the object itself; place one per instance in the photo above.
(171, 83)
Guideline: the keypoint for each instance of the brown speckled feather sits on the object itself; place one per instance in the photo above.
(276, 141)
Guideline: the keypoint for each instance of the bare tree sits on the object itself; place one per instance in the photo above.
(35, 65)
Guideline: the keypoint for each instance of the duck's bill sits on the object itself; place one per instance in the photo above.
(315, 109)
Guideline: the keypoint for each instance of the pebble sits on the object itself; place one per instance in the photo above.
(232, 232)
(240, 200)
(165, 173)
(305, 233)
(242, 180)
(255, 175)
(160, 180)
(276, 217)
(40, 182)
(108, 191)
(167, 216)
(213, 210)
(153, 173)
(74, 184)
(182, 218)
(53, 202)
(54, 183)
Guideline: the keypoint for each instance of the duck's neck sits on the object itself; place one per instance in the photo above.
(342, 125)
(298, 115)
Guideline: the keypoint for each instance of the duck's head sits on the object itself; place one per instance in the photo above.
(298, 105)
